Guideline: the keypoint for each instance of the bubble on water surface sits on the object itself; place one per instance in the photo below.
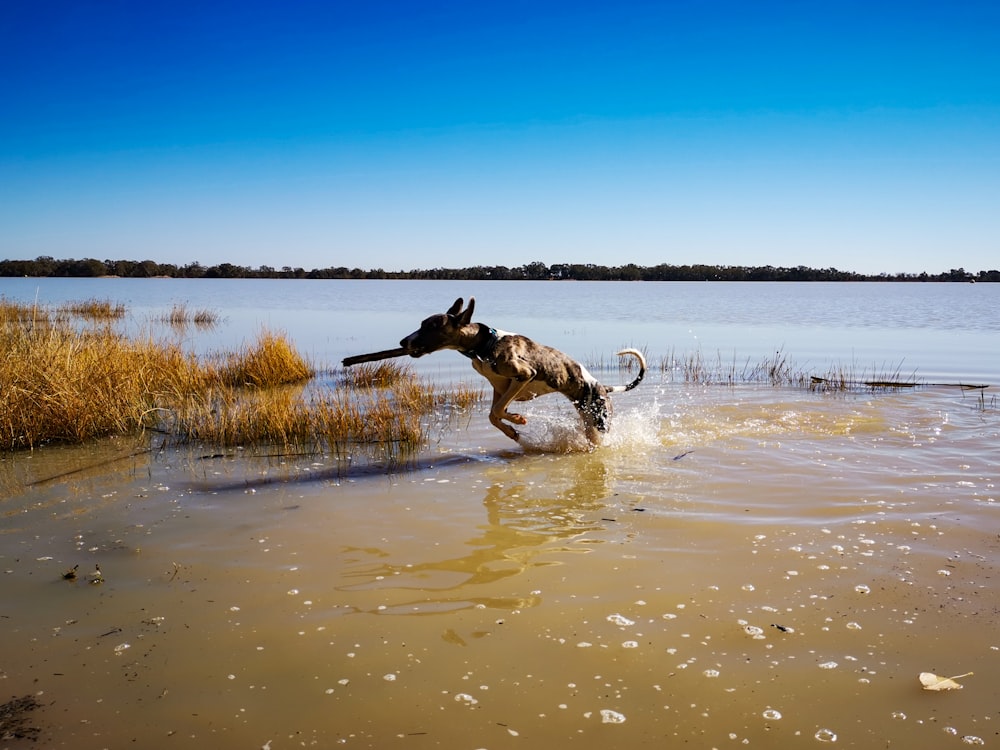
(771, 714)
(853, 626)
(621, 620)
(828, 665)
(711, 673)
(466, 699)
(862, 589)
(826, 735)
(971, 739)
(611, 717)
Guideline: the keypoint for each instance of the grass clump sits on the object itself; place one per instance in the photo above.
(180, 316)
(95, 309)
(270, 361)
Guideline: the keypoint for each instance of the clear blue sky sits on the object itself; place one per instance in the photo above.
(858, 135)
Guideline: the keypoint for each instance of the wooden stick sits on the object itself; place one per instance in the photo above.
(374, 356)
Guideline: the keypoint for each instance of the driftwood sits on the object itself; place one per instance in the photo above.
(357, 359)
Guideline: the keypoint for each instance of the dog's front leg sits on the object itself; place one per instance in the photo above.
(498, 411)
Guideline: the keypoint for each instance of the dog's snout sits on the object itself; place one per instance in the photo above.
(410, 345)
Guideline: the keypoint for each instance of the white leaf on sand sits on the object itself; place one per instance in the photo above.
(931, 681)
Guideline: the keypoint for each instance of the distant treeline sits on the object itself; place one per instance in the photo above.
(89, 267)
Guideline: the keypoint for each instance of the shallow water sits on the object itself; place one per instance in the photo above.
(731, 555)
(736, 566)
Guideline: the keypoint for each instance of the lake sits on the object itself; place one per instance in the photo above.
(740, 563)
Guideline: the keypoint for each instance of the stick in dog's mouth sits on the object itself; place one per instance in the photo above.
(357, 359)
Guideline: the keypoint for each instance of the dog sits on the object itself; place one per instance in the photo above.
(519, 369)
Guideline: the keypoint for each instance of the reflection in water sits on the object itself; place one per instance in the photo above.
(75, 479)
(516, 533)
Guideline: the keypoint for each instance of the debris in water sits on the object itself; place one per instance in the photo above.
(97, 576)
(70, 575)
(14, 718)
(931, 681)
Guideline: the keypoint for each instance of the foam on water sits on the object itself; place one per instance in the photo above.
(562, 432)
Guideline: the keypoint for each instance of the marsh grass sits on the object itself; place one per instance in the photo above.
(180, 316)
(695, 368)
(780, 371)
(60, 383)
(17, 313)
(95, 309)
(841, 379)
(270, 361)
(377, 374)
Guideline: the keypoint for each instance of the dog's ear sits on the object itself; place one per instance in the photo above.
(456, 308)
(467, 315)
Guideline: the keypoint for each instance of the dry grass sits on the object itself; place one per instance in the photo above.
(377, 374)
(15, 313)
(180, 316)
(62, 384)
(95, 309)
(270, 361)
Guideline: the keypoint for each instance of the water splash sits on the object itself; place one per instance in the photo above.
(562, 432)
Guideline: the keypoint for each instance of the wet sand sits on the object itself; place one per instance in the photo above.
(745, 566)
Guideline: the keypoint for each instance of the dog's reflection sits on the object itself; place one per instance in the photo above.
(525, 527)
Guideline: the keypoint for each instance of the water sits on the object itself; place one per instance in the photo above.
(749, 565)
(940, 331)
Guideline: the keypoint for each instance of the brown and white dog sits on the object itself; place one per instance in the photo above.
(519, 369)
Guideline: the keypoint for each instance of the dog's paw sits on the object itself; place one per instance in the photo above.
(516, 419)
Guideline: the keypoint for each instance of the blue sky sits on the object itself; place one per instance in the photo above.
(857, 135)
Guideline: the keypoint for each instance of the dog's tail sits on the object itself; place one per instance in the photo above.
(638, 378)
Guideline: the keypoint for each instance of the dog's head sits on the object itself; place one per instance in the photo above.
(439, 331)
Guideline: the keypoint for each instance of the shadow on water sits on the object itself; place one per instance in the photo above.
(347, 470)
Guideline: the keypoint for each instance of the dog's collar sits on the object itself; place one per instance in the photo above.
(482, 350)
